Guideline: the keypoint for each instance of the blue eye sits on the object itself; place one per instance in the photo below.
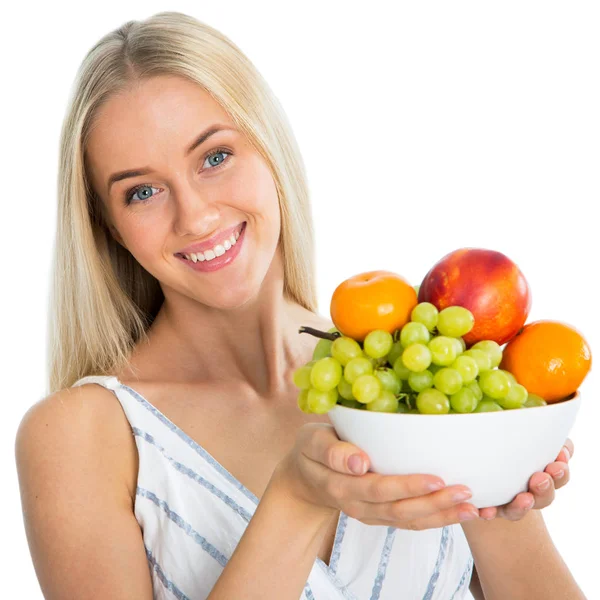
(129, 195)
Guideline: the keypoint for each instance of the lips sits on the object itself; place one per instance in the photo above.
(213, 241)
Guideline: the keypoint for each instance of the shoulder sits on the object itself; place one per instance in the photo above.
(81, 426)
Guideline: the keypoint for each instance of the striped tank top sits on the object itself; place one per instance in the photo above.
(193, 512)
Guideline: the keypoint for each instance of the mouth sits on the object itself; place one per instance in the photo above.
(222, 245)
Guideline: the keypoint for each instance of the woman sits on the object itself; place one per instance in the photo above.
(184, 268)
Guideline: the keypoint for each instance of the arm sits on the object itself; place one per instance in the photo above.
(83, 537)
(518, 560)
(277, 550)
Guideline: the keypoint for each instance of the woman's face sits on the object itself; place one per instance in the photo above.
(186, 196)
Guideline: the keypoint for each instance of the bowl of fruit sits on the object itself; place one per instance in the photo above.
(446, 378)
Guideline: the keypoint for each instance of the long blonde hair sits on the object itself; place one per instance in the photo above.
(102, 301)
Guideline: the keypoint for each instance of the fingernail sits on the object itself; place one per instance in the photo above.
(544, 485)
(530, 504)
(559, 474)
(434, 486)
(461, 495)
(357, 465)
(567, 453)
(467, 515)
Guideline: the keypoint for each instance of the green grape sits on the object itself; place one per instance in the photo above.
(414, 333)
(378, 343)
(467, 367)
(417, 288)
(417, 357)
(425, 313)
(455, 321)
(395, 352)
(320, 402)
(357, 367)
(414, 411)
(463, 401)
(402, 408)
(487, 406)
(401, 369)
(366, 388)
(344, 349)
(420, 381)
(494, 384)
(517, 396)
(534, 400)
(483, 359)
(432, 402)
(323, 347)
(492, 348)
(448, 381)
(474, 387)
(326, 374)
(512, 378)
(302, 377)
(303, 401)
(385, 402)
(443, 351)
(351, 403)
(463, 344)
(452, 412)
(389, 380)
(345, 389)
(458, 346)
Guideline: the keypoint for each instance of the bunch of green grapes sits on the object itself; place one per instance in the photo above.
(423, 368)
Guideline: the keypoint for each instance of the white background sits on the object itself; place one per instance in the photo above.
(425, 127)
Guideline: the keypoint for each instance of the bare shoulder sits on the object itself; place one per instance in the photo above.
(75, 457)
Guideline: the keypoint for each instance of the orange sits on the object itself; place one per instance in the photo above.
(550, 358)
(372, 300)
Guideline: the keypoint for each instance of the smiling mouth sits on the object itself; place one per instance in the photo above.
(218, 250)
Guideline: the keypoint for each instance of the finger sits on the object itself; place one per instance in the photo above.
(566, 452)
(378, 489)
(560, 473)
(488, 513)
(322, 445)
(541, 485)
(457, 514)
(518, 508)
(423, 506)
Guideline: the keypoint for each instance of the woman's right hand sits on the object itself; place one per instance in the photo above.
(317, 472)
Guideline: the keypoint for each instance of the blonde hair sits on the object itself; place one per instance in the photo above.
(102, 301)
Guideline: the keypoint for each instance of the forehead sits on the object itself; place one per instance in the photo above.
(152, 120)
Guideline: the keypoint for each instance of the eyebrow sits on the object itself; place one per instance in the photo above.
(120, 175)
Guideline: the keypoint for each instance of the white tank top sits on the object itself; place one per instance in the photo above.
(193, 512)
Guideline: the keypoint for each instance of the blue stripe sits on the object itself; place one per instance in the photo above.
(193, 475)
(308, 592)
(337, 544)
(438, 565)
(383, 563)
(466, 574)
(339, 584)
(207, 546)
(192, 444)
(163, 579)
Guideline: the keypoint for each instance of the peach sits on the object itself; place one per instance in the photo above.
(486, 282)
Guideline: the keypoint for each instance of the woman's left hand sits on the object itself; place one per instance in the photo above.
(541, 489)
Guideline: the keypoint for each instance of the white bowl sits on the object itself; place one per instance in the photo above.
(493, 453)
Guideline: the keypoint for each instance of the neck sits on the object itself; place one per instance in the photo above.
(256, 345)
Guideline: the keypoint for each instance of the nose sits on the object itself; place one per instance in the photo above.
(196, 214)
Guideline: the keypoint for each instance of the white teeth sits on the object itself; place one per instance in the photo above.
(218, 250)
